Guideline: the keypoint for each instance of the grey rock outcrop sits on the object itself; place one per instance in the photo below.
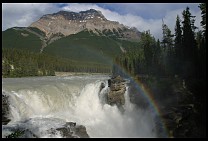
(71, 130)
(117, 90)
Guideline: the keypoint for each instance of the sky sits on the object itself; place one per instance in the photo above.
(143, 16)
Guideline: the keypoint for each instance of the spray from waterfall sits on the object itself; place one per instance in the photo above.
(43, 106)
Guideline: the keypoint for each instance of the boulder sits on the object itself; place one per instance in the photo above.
(117, 90)
(71, 130)
(81, 131)
(65, 132)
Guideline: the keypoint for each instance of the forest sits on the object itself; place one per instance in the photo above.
(179, 57)
(22, 63)
(182, 53)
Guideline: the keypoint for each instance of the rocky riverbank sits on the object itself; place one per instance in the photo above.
(5, 109)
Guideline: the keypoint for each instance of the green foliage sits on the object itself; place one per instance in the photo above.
(21, 63)
(139, 58)
(21, 39)
(178, 46)
(167, 38)
(38, 31)
(168, 49)
(189, 47)
(148, 42)
(18, 133)
(85, 47)
(202, 6)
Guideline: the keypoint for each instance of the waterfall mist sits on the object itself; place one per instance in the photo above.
(42, 103)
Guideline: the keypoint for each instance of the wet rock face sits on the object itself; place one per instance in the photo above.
(102, 86)
(68, 130)
(117, 90)
(5, 109)
(71, 130)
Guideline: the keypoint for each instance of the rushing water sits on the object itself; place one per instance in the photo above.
(48, 102)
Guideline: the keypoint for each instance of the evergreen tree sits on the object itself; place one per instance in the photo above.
(5, 67)
(167, 40)
(202, 6)
(168, 52)
(178, 38)
(157, 58)
(178, 46)
(146, 40)
(202, 42)
(189, 44)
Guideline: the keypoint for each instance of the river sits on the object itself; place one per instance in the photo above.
(48, 102)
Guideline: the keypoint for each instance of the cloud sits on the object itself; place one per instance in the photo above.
(141, 23)
(147, 10)
(133, 15)
(170, 18)
(20, 14)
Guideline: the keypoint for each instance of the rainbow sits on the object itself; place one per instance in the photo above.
(147, 94)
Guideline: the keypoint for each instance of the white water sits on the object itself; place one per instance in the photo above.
(48, 102)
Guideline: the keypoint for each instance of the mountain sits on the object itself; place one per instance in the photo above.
(23, 38)
(85, 38)
(68, 23)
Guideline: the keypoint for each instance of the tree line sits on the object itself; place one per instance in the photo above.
(21, 63)
(182, 53)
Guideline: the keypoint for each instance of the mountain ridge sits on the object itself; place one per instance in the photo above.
(68, 23)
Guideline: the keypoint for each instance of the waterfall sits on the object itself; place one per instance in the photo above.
(46, 105)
